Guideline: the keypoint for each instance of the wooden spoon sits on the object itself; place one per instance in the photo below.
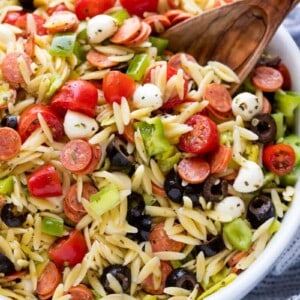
(235, 34)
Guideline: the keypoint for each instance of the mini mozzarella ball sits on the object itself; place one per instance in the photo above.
(147, 95)
(79, 126)
(233, 206)
(249, 179)
(101, 27)
(246, 105)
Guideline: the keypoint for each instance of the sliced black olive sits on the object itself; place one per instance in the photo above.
(120, 159)
(143, 224)
(121, 273)
(11, 217)
(27, 4)
(173, 187)
(212, 247)
(215, 189)
(181, 278)
(6, 266)
(265, 127)
(10, 121)
(135, 207)
(193, 191)
(260, 209)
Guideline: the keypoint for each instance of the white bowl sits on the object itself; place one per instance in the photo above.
(284, 46)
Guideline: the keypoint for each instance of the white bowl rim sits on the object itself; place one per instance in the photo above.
(251, 277)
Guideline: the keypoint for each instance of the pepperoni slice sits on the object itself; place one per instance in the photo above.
(144, 32)
(76, 155)
(74, 209)
(287, 80)
(220, 159)
(10, 143)
(11, 67)
(157, 22)
(157, 190)
(96, 151)
(128, 31)
(193, 170)
(177, 15)
(267, 79)
(48, 281)
(266, 107)
(80, 292)
(62, 21)
(160, 241)
(99, 60)
(218, 97)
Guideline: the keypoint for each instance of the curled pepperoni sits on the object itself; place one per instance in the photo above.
(220, 159)
(74, 209)
(158, 23)
(193, 169)
(177, 15)
(80, 292)
(10, 143)
(266, 107)
(267, 79)
(48, 281)
(76, 155)
(144, 32)
(99, 60)
(97, 153)
(11, 67)
(129, 30)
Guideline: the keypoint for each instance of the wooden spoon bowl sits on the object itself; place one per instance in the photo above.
(235, 34)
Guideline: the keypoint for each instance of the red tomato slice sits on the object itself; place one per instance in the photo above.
(90, 8)
(21, 22)
(138, 7)
(29, 122)
(78, 95)
(10, 143)
(175, 61)
(279, 159)
(69, 249)
(287, 80)
(117, 85)
(193, 169)
(44, 182)
(12, 16)
(203, 138)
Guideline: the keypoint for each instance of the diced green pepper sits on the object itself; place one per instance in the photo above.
(159, 43)
(6, 185)
(291, 178)
(269, 178)
(238, 234)
(152, 133)
(168, 159)
(63, 45)
(106, 199)
(280, 126)
(138, 65)
(287, 102)
(120, 16)
(52, 226)
(294, 141)
(218, 286)
(79, 52)
(56, 82)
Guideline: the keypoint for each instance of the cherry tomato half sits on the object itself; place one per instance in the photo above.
(78, 95)
(90, 8)
(39, 21)
(203, 138)
(69, 249)
(44, 182)
(138, 7)
(12, 16)
(29, 121)
(59, 7)
(117, 85)
(279, 159)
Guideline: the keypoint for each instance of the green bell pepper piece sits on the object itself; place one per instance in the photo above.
(6, 185)
(63, 45)
(159, 43)
(291, 178)
(168, 159)
(238, 233)
(138, 65)
(294, 141)
(152, 133)
(56, 83)
(52, 226)
(287, 102)
(280, 125)
(120, 16)
(106, 199)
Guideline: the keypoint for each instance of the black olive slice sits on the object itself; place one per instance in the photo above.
(27, 4)
(215, 189)
(181, 278)
(135, 207)
(6, 266)
(11, 217)
(173, 187)
(212, 247)
(121, 273)
(260, 209)
(10, 121)
(120, 159)
(264, 126)
(193, 191)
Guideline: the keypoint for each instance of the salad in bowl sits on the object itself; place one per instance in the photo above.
(131, 172)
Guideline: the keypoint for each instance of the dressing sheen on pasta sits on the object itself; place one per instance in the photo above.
(128, 171)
